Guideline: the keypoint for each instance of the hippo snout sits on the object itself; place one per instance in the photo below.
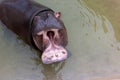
(53, 50)
(54, 55)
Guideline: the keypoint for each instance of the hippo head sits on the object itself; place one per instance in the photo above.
(50, 36)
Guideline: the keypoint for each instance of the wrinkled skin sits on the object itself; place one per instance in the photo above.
(51, 39)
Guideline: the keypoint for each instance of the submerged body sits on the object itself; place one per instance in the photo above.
(37, 25)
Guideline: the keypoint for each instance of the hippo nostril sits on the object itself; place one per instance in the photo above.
(63, 52)
(51, 56)
(56, 55)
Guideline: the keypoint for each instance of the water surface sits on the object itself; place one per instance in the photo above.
(93, 31)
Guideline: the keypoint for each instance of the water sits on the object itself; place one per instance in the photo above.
(93, 31)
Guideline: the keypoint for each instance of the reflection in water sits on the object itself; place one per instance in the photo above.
(51, 71)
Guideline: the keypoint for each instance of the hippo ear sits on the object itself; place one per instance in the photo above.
(36, 18)
(57, 14)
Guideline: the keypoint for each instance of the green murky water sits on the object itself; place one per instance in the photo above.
(93, 29)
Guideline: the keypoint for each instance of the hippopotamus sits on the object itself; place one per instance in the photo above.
(38, 25)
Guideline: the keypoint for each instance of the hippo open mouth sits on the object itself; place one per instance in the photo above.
(50, 36)
(53, 52)
(37, 25)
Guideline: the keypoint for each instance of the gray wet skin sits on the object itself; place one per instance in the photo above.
(38, 25)
(51, 40)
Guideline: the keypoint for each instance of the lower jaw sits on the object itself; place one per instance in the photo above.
(52, 53)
